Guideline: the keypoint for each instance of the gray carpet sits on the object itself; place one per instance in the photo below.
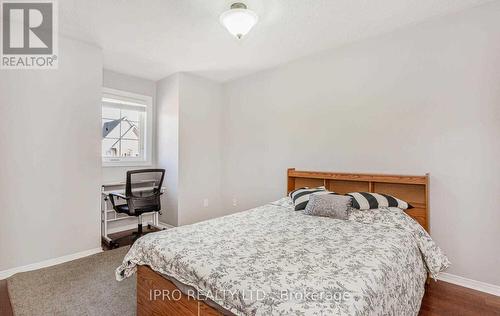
(85, 286)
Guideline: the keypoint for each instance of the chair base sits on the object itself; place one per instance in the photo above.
(133, 236)
(139, 233)
(127, 239)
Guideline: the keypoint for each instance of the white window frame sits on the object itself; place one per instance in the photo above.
(129, 98)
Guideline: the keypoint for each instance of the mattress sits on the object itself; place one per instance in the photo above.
(272, 260)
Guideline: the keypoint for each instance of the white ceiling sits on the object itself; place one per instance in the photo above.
(155, 38)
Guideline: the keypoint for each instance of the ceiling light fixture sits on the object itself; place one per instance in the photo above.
(239, 20)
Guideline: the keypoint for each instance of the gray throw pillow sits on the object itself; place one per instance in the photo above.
(329, 205)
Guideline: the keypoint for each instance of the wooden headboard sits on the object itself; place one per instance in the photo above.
(412, 189)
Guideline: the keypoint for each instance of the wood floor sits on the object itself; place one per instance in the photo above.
(441, 298)
(5, 308)
(125, 238)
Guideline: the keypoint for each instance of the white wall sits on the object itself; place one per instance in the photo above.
(132, 84)
(200, 152)
(50, 158)
(423, 99)
(167, 144)
(189, 147)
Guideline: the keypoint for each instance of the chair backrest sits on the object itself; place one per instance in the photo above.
(144, 182)
(143, 188)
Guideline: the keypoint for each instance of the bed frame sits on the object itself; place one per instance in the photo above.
(170, 302)
(413, 189)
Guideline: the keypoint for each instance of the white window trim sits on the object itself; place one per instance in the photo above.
(132, 99)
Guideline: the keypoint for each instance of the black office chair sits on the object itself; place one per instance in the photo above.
(142, 194)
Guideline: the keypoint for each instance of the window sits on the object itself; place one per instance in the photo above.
(126, 128)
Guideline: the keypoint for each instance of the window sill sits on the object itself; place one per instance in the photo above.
(107, 164)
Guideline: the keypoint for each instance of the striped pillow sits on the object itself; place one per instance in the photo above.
(367, 200)
(300, 197)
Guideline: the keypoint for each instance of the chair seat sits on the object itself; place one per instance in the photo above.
(125, 210)
(122, 209)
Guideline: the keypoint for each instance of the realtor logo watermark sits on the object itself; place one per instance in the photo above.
(29, 34)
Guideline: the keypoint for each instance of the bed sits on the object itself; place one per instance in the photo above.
(272, 260)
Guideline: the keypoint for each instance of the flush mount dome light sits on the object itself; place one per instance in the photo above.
(239, 20)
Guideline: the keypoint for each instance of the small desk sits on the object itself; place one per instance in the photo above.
(109, 215)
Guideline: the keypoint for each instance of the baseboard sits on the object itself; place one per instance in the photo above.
(50, 262)
(165, 225)
(471, 284)
(47, 263)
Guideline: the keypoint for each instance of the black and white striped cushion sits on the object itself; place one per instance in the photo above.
(367, 200)
(300, 197)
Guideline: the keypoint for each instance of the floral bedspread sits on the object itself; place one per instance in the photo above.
(272, 260)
